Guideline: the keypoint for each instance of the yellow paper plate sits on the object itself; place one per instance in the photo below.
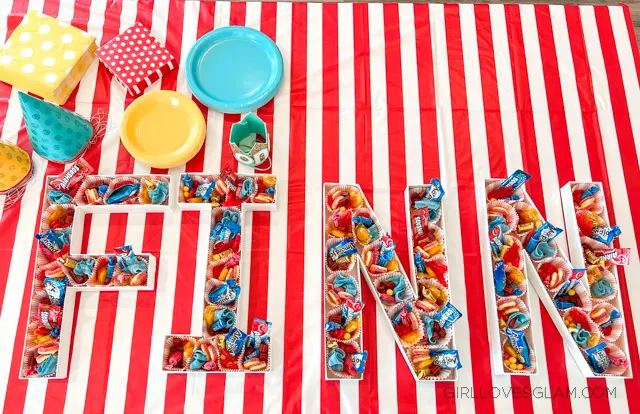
(163, 129)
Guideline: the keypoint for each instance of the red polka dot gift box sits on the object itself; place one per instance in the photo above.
(136, 58)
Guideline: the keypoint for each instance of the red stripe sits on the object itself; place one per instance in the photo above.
(259, 250)
(406, 384)
(562, 147)
(329, 390)
(495, 141)
(294, 309)
(631, 171)
(554, 348)
(476, 312)
(368, 387)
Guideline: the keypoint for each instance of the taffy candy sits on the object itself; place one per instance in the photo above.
(56, 289)
(349, 199)
(585, 199)
(230, 269)
(176, 353)
(567, 297)
(226, 293)
(599, 286)
(430, 199)
(446, 358)
(59, 197)
(406, 324)
(430, 298)
(198, 359)
(506, 189)
(365, 229)
(84, 267)
(607, 257)
(510, 316)
(53, 245)
(433, 330)
(341, 288)
(448, 315)
(551, 275)
(393, 290)
(44, 360)
(539, 244)
(223, 319)
(340, 223)
(123, 193)
(517, 347)
(154, 191)
(48, 366)
(246, 189)
(598, 358)
(76, 173)
(341, 254)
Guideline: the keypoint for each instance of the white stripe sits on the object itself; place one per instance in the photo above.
(481, 170)
(386, 345)
(617, 184)
(549, 178)
(312, 347)
(628, 69)
(425, 390)
(578, 144)
(349, 390)
(278, 235)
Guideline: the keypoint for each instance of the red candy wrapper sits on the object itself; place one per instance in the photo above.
(72, 176)
(618, 257)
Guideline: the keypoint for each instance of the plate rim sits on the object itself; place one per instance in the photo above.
(144, 157)
(223, 106)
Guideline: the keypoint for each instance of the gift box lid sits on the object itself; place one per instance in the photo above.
(136, 58)
(41, 54)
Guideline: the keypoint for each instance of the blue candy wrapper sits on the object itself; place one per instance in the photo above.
(187, 182)
(59, 197)
(111, 267)
(235, 340)
(122, 193)
(102, 190)
(385, 256)
(226, 293)
(51, 241)
(598, 358)
(347, 283)
(204, 190)
(614, 315)
(247, 188)
(159, 194)
(332, 326)
(589, 192)
(428, 328)
(605, 234)
(545, 234)
(359, 361)
(447, 315)
(519, 342)
(56, 289)
(515, 180)
(342, 248)
(499, 277)
(227, 228)
(419, 262)
(446, 358)
(224, 319)
(366, 221)
(432, 199)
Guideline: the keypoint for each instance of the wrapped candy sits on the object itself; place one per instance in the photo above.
(123, 193)
(56, 289)
(225, 294)
(518, 342)
(506, 189)
(431, 200)
(76, 173)
(539, 243)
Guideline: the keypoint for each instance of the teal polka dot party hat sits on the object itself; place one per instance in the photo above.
(55, 133)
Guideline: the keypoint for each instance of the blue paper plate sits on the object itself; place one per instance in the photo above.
(234, 69)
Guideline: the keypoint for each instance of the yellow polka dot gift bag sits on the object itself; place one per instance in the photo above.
(46, 57)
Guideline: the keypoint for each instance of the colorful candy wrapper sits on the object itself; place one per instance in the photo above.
(247, 188)
(508, 187)
(354, 305)
(598, 358)
(519, 342)
(589, 192)
(204, 190)
(227, 228)
(432, 199)
(226, 293)
(563, 300)
(545, 234)
(447, 315)
(111, 267)
(72, 176)
(341, 249)
(260, 331)
(496, 240)
(499, 277)
(577, 274)
(128, 262)
(446, 358)
(187, 182)
(419, 262)
(52, 242)
(614, 315)
(605, 234)
(56, 289)
(359, 360)
(49, 317)
(123, 193)
(234, 340)
(617, 257)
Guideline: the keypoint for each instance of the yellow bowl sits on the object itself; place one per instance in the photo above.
(163, 129)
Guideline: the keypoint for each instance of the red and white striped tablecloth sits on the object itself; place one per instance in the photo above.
(381, 95)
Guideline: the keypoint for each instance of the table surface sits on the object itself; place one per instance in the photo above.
(382, 95)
